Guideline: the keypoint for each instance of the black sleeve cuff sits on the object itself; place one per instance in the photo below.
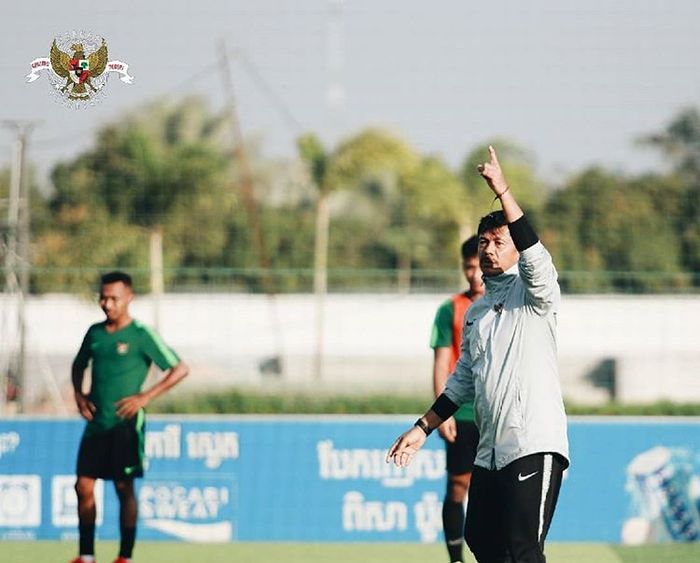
(522, 233)
(444, 407)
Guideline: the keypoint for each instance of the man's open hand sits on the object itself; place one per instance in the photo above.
(448, 430)
(86, 408)
(129, 406)
(405, 447)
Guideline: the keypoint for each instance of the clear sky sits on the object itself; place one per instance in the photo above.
(576, 82)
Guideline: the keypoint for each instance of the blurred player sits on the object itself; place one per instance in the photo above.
(459, 431)
(121, 350)
(508, 367)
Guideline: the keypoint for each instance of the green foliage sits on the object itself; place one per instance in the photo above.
(680, 143)
(403, 210)
(434, 209)
(161, 169)
(235, 401)
(39, 215)
(372, 155)
(251, 402)
(316, 158)
(392, 211)
(604, 222)
(660, 408)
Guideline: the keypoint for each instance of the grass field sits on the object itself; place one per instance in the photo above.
(167, 552)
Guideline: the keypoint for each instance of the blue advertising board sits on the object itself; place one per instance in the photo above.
(264, 478)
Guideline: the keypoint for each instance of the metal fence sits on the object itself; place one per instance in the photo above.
(348, 280)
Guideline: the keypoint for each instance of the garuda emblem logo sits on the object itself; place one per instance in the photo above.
(78, 68)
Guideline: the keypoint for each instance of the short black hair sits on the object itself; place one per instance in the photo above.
(492, 221)
(470, 247)
(115, 277)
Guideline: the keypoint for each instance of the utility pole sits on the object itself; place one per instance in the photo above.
(156, 272)
(273, 365)
(335, 53)
(17, 266)
(335, 101)
(243, 163)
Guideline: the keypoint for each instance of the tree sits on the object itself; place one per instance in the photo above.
(400, 200)
(162, 168)
(374, 165)
(316, 158)
(38, 213)
(680, 143)
(609, 226)
(427, 229)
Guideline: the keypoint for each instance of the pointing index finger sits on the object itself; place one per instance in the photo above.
(492, 152)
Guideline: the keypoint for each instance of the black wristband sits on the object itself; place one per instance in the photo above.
(444, 407)
(423, 426)
(522, 233)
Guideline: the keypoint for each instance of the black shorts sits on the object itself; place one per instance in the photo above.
(115, 454)
(461, 452)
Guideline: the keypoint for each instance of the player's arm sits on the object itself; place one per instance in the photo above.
(85, 407)
(441, 371)
(459, 388)
(441, 343)
(129, 406)
(441, 368)
(174, 371)
(496, 180)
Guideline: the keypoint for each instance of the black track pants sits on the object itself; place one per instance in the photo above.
(509, 510)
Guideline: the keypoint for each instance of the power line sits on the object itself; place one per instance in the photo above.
(47, 144)
(257, 77)
(246, 182)
(190, 79)
(248, 66)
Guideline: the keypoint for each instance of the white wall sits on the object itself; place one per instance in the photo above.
(379, 342)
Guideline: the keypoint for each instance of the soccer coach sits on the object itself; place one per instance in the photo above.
(508, 367)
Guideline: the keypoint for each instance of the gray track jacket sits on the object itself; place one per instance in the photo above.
(508, 363)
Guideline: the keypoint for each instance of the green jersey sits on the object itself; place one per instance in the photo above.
(120, 364)
(447, 333)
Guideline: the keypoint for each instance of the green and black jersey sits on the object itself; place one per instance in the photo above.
(447, 333)
(120, 364)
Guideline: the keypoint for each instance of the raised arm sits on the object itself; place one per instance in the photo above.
(496, 180)
(535, 265)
